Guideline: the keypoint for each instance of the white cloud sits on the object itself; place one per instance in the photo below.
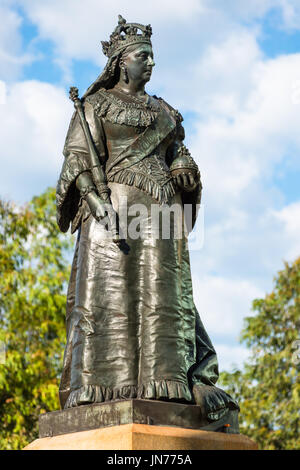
(189, 27)
(77, 28)
(239, 147)
(231, 357)
(2, 92)
(289, 10)
(289, 218)
(223, 303)
(12, 59)
(218, 79)
(290, 13)
(34, 121)
(245, 10)
(247, 126)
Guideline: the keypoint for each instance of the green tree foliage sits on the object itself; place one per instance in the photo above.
(268, 387)
(34, 270)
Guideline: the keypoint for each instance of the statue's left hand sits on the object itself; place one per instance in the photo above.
(186, 181)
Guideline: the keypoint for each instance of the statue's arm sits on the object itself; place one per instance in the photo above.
(71, 188)
(183, 167)
(185, 171)
(88, 192)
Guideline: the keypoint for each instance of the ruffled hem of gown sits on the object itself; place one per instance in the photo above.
(155, 390)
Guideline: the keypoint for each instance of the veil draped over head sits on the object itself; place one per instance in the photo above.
(107, 78)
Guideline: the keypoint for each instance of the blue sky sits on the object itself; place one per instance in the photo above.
(233, 69)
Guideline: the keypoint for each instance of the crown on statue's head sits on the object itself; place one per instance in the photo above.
(126, 34)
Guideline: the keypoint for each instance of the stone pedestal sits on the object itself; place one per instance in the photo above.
(138, 425)
(144, 437)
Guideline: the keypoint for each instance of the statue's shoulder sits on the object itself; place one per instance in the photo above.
(98, 98)
(170, 108)
(104, 105)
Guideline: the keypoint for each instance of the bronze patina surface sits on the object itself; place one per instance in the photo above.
(133, 331)
(156, 413)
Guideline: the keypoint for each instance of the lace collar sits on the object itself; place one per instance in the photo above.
(135, 112)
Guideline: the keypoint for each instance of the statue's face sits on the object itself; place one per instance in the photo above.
(139, 63)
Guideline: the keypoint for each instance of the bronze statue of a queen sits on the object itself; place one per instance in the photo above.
(133, 330)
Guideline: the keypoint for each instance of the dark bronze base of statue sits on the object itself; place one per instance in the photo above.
(115, 413)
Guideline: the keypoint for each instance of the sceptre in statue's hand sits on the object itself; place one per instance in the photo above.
(88, 191)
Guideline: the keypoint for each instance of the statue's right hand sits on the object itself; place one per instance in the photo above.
(104, 213)
(97, 206)
(87, 189)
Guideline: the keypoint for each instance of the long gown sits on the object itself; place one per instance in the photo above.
(132, 326)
